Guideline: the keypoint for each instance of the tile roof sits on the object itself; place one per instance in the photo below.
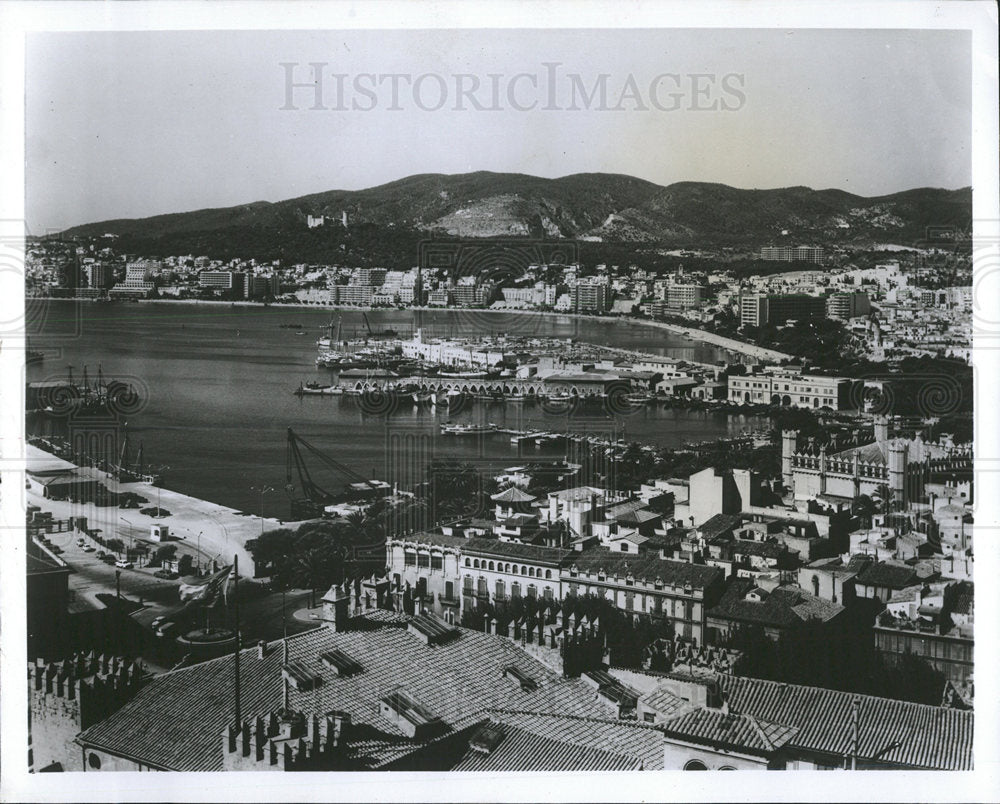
(719, 524)
(528, 552)
(627, 738)
(645, 566)
(930, 737)
(716, 728)
(513, 495)
(893, 576)
(749, 547)
(782, 608)
(523, 751)
(176, 721)
(663, 701)
(578, 494)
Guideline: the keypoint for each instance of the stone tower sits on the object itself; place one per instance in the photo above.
(788, 441)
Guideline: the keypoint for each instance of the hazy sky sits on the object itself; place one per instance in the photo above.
(138, 124)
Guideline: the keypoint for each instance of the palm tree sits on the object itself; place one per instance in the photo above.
(882, 496)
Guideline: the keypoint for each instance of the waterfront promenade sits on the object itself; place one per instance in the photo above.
(693, 333)
(224, 531)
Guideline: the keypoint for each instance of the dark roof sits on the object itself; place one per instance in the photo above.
(525, 552)
(930, 737)
(892, 576)
(719, 525)
(715, 728)
(782, 608)
(964, 598)
(516, 749)
(749, 547)
(645, 567)
(433, 539)
(176, 721)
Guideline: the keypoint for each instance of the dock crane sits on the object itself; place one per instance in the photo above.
(314, 496)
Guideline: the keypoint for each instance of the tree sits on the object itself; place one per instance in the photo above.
(115, 545)
(165, 553)
(186, 565)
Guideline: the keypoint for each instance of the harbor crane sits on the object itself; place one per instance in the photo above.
(313, 497)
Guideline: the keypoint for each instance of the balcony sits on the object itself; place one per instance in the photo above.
(445, 600)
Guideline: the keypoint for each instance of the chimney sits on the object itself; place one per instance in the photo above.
(261, 648)
(337, 608)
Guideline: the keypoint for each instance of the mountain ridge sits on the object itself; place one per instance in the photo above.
(604, 207)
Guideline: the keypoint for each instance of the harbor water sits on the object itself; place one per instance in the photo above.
(215, 394)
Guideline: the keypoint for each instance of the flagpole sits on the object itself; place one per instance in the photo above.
(236, 655)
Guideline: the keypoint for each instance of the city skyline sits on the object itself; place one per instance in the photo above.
(799, 119)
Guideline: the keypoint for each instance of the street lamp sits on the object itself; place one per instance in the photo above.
(263, 490)
(130, 525)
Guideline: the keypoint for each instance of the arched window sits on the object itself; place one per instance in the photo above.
(815, 583)
(524, 570)
(506, 567)
(491, 565)
(475, 564)
(94, 761)
(695, 764)
(467, 562)
(531, 572)
(548, 575)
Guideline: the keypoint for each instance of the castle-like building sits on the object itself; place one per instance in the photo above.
(902, 465)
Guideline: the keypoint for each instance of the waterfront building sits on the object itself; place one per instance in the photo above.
(758, 310)
(359, 295)
(372, 277)
(99, 275)
(138, 280)
(233, 282)
(795, 390)
(684, 296)
(590, 295)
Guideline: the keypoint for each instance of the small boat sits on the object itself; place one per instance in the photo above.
(300, 333)
(640, 399)
(467, 429)
(560, 397)
(316, 389)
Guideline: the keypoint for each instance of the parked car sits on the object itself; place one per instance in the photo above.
(166, 574)
(123, 564)
(157, 622)
(109, 559)
(89, 549)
